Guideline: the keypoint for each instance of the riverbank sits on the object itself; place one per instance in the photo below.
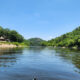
(7, 46)
(73, 47)
(11, 44)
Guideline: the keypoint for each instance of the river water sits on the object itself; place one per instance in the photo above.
(43, 63)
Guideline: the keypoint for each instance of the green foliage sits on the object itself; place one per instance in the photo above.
(26, 42)
(11, 35)
(44, 43)
(35, 42)
(71, 39)
(15, 37)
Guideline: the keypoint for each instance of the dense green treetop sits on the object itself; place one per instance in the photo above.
(11, 35)
(71, 39)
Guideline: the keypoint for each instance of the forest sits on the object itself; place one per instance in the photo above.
(70, 39)
(12, 35)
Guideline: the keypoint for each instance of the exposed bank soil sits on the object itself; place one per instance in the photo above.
(8, 46)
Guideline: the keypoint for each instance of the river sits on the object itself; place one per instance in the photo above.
(43, 63)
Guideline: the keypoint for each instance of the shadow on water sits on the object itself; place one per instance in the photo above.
(8, 56)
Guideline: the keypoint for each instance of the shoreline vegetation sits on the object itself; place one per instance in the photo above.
(11, 38)
(68, 40)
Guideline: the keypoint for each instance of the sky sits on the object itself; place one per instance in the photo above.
(46, 19)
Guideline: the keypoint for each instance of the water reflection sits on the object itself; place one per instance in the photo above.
(73, 56)
(45, 63)
(8, 56)
(36, 49)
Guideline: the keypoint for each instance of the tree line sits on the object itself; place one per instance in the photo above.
(71, 39)
(11, 35)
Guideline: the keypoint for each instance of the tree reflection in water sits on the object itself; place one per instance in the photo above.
(8, 56)
(70, 55)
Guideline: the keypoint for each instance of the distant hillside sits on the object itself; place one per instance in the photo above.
(35, 41)
(71, 39)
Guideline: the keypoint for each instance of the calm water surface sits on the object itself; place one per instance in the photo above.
(43, 63)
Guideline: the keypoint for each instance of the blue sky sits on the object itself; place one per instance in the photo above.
(40, 18)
